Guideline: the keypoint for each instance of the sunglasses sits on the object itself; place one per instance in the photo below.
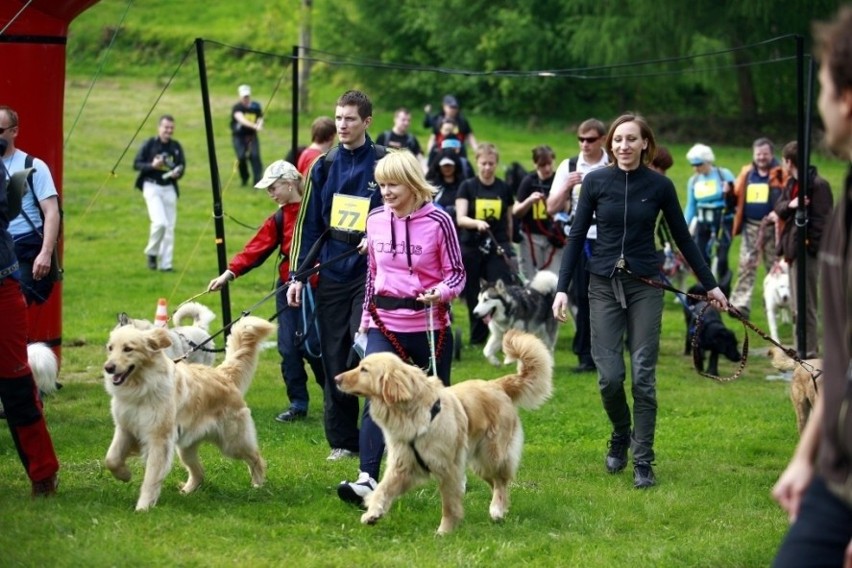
(3, 130)
(588, 139)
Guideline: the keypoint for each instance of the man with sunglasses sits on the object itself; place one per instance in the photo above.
(36, 229)
(563, 198)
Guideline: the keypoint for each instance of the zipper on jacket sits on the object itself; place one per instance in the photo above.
(621, 263)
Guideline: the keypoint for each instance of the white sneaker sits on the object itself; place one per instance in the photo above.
(340, 453)
(356, 491)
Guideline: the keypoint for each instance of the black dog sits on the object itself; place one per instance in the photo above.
(714, 337)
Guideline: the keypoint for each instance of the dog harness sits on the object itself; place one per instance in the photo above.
(436, 408)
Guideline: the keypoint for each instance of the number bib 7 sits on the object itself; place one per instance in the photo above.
(757, 193)
(488, 209)
(349, 212)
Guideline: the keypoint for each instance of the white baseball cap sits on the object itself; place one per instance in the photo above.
(244, 90)
(279, 169)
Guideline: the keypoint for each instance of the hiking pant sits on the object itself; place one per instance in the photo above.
(623, 308)
(753, 243)
(811, 304)
(339, 307)
(161, 201)
(247, 149)
(293, 353)
(18, 391)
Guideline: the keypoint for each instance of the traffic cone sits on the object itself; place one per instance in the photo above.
(162, 317)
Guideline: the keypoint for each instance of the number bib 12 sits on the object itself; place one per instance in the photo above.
(488, 209)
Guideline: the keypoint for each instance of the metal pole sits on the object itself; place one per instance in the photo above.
(801, 218)
(215, 182)
(295, 96)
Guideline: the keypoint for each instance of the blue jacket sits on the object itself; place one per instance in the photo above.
(351, 173)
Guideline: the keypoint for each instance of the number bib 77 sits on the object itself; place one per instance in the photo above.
(349, 212)
(488, 209)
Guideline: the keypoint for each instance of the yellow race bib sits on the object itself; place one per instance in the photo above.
(539, 211)
(757, 193)
(349, 212)
(488, 209)
(705, 188)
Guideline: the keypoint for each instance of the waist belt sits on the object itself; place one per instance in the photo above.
(391, 303)
(9, 270)
(709, 214)
(349, 237)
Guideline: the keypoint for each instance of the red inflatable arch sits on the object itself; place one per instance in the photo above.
(32, 81)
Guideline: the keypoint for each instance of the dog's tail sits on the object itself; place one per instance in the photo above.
(45, 367)
(243, 348)
(201, 315)
(544, 282)
(533, 383)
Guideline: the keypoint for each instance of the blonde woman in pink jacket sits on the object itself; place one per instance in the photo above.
(414, 271)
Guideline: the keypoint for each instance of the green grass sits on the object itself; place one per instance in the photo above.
(720, 446)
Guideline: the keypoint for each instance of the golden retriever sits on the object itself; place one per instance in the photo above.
(432, 429)
(159, 405)
(803, 386)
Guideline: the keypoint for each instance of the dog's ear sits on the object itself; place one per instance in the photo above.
(158, 338)
(123, 319)
(483, 283)
(396, 384)
(500, 286)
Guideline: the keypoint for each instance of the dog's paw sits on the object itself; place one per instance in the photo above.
(145, 505)
(494, 361)
(369, 518)
(509, 360)
(121, 473)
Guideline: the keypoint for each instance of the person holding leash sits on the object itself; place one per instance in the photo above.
(283, 183)
(626, 198)
(484, 216)
(816, 487)
(414, 271)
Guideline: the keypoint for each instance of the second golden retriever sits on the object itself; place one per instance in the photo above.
(437, 430)
(803, 385)
(159, 405)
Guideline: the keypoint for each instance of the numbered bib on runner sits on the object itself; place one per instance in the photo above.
(539, 211)
(757, 193)
(349, 212)
(706, 188)
(488, 209)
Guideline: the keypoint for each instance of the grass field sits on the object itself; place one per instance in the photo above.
(720, 446)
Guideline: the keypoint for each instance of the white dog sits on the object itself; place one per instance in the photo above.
(186, 339)
(45, 369)
(776, 296)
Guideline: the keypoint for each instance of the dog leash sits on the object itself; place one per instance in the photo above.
(302, 274)
(736, 314)
(502, 252)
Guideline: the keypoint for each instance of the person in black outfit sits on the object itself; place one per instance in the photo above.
(246, 122)
(483, 214)
(626, 199)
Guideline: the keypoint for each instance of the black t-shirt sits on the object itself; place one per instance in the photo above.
(536, 219)
(252, 112)
(391, 139)
(491, 203)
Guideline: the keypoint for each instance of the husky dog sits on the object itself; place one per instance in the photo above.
(184, 338)
(527, 308)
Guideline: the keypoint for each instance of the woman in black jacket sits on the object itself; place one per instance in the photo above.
(626, 198)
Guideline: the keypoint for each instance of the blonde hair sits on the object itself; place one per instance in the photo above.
(401, 167)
